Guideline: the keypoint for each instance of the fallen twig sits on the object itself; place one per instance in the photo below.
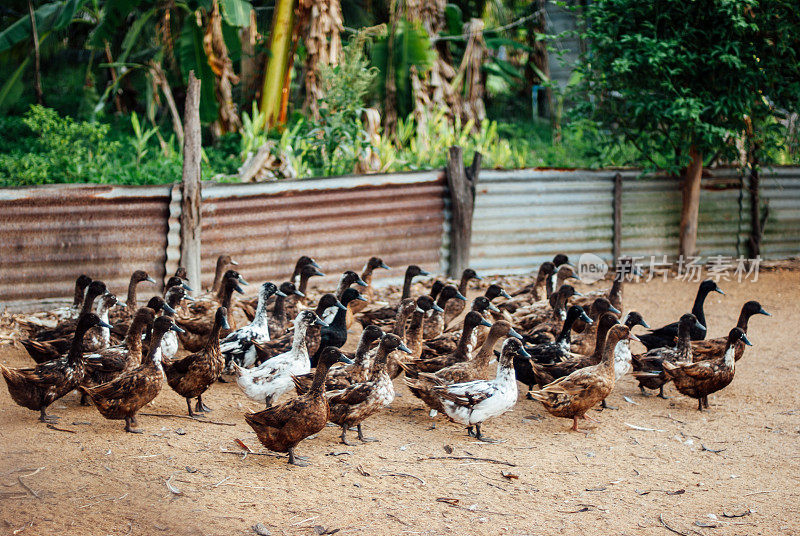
(475, 458)
(705, 448)
(245, 453)
(760, 492)
(405, 474)
(27, 487)
(642, 428)
(176, 416)
(172, 488)
(676, 531)
(54, 427)
(103, 500)
(743, 514)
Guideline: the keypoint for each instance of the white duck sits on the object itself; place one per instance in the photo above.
(472, 403)
(173, 297)
(238, 346)
(273, 377)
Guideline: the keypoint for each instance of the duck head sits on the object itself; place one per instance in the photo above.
(391, 342)
(708, 286)
(376, 262)
(512, 348)
(305, 260)
(436, 289)
(407, 307)
(289, 289)
(351, 294)
(618, 335)
(81, 283)
(349, 278)
(688, 322)
(737, 334)
(307, 318)
(576, 312)
(501, 329)
(331, 355)
(635, 319)
(415, 271)
(221, 318)
(309, 270)
(494, 290)
(449, 292)
(157, 304)
(469, 274)
(268, 289)
(95, 289)
(327, 301)
(426, 304)
(602, 305)
(175, 295)
(753, 308)
(232, 279)
(560, 259)
(482, 303)
(370, 335)
(475, 319)
(140, 275)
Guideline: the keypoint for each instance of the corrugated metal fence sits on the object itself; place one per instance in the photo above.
(50, 234)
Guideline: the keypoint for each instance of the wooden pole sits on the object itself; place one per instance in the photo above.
(461, 183)
(37, 69)
(754, 244)
(190, 185)
(617, 247)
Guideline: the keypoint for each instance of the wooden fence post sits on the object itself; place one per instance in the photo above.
(617, 246)
(461, 183)
(190, 185)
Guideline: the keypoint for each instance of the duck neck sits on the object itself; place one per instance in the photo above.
(550, 285)
(154, 355)
(219, 271)
(133, 338)
(362, 353)
(486, 352)
(318, 385)
(279, 311)
(130, 304)
(75, 355)
(414, 332)
(260, 318)
(615, 294)
(684, 341)
(505, 373)
(102, 312)
(462, 286)
(225, 294)
(303, 285)
(379, 363)
(213, 338)
(88, 302)
(558, 309)
(564, 337)
(607, 361)
(406, 287)
(729, 357)
(399, 328)
(744, 319)
(466, 342)
(599, 342)
(340, 288)
(697, 308)
(366, 275)
(299, 339)
(77, 299)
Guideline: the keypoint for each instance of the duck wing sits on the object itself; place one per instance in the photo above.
(353, 395)
(106, 362)
(274, 416)
(468, 394)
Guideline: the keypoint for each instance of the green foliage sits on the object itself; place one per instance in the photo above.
(411, 48)
(49, 18)
(236, 12)
(669, 75)
(139, 141)
(192, 57)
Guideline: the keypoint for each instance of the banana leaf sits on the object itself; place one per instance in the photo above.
(192, 56)
(49, 18)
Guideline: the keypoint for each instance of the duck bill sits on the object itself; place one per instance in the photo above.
(403, 348)
(383, 265)
(586, 318)
(224, 324)
(321, 323)
(420, 310)
(361, 283)
(280, 293)
(340, 305)
(512, 333)
(177, 329)
(360, 298)
(344, 359)
(121, 303)
(437, 308)
(460, 296)
(505, 294)
(485, 323)
(242, 281)
(478, 277)
(150, 280)
(717, 289)
(698, 325)
(746, 340)
(186, 287)
(238, 289)
(298, 293)
(168, 309)
(234, 263)
(524, 353)
(493, 308)
(424, 273)
(103, 324)
(612, 309)
(189, 298)
(763, 312)
(317, 272)
(577, 293)
(643, 324)
(632, 337)
(314, 264)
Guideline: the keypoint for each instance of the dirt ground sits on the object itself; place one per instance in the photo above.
(734, 470)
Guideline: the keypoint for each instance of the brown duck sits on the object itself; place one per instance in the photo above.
(224, 263)
(711, 348)
(702, 378)
(126, 313)
(572, 396)
(585, 341)
(36, 388)
(416, 326)
(366, 276)
(279, 320)
(353, 405)
(448, 341)
(200, 319)
(280, 428)
(126, 394)
(432, 360)
(192, 375)
(434, 325)
(393, 363)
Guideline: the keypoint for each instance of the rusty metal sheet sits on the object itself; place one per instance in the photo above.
(341, 222)
(49, 235)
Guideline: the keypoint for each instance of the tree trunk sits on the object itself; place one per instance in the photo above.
(691, 204)
(249, 62)
(37, 69)
(539, 58)
(190, 186)
(461, 183)
(280, 43)
(755, 214)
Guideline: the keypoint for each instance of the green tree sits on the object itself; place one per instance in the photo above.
(681, 80)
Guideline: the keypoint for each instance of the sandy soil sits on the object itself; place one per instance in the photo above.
(689, 469)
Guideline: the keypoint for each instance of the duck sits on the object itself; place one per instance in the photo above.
(334, 332)
(415, 331)
(302, 262)
(129, 392)
(649, 367)
(386, 313)
(306, 272)
(173, 298)
(455, 307)
(346, 375)
(282, 427)
(200, 318)
(710, 348)
(473, 403)
(436, 289)
(542, 322)
(108, 363)
(572, 396)
(239, 345)
(551, 352)
(158, 305)
(353, 405)
(224, 263)
(431, 360)
(193, 374)
(66, 328)
(347, 279)
(95, 339)
(665, 335)
(702, 378)
(407, 308)
(366, 276)
(530, 293)
(434, 324)
(249, 306)
(282, 344)
(584, 342)
(36, 388)
(421, 383)
(279, 319)
(126, 313)
(272, 378)
(448, 341)
(494, 291)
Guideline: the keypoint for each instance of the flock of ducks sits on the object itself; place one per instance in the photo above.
(569, 349)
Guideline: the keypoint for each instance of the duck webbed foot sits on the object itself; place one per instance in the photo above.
(297, 460)
(644, 392)
(344, 437)
(200, 406)
(365, 439)
(575, 426)
(480, 437)
(661, 393)
(605, 405)
(44, 417)
(192, 414)
(470, 432)
(128, 422)
(705, 402)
